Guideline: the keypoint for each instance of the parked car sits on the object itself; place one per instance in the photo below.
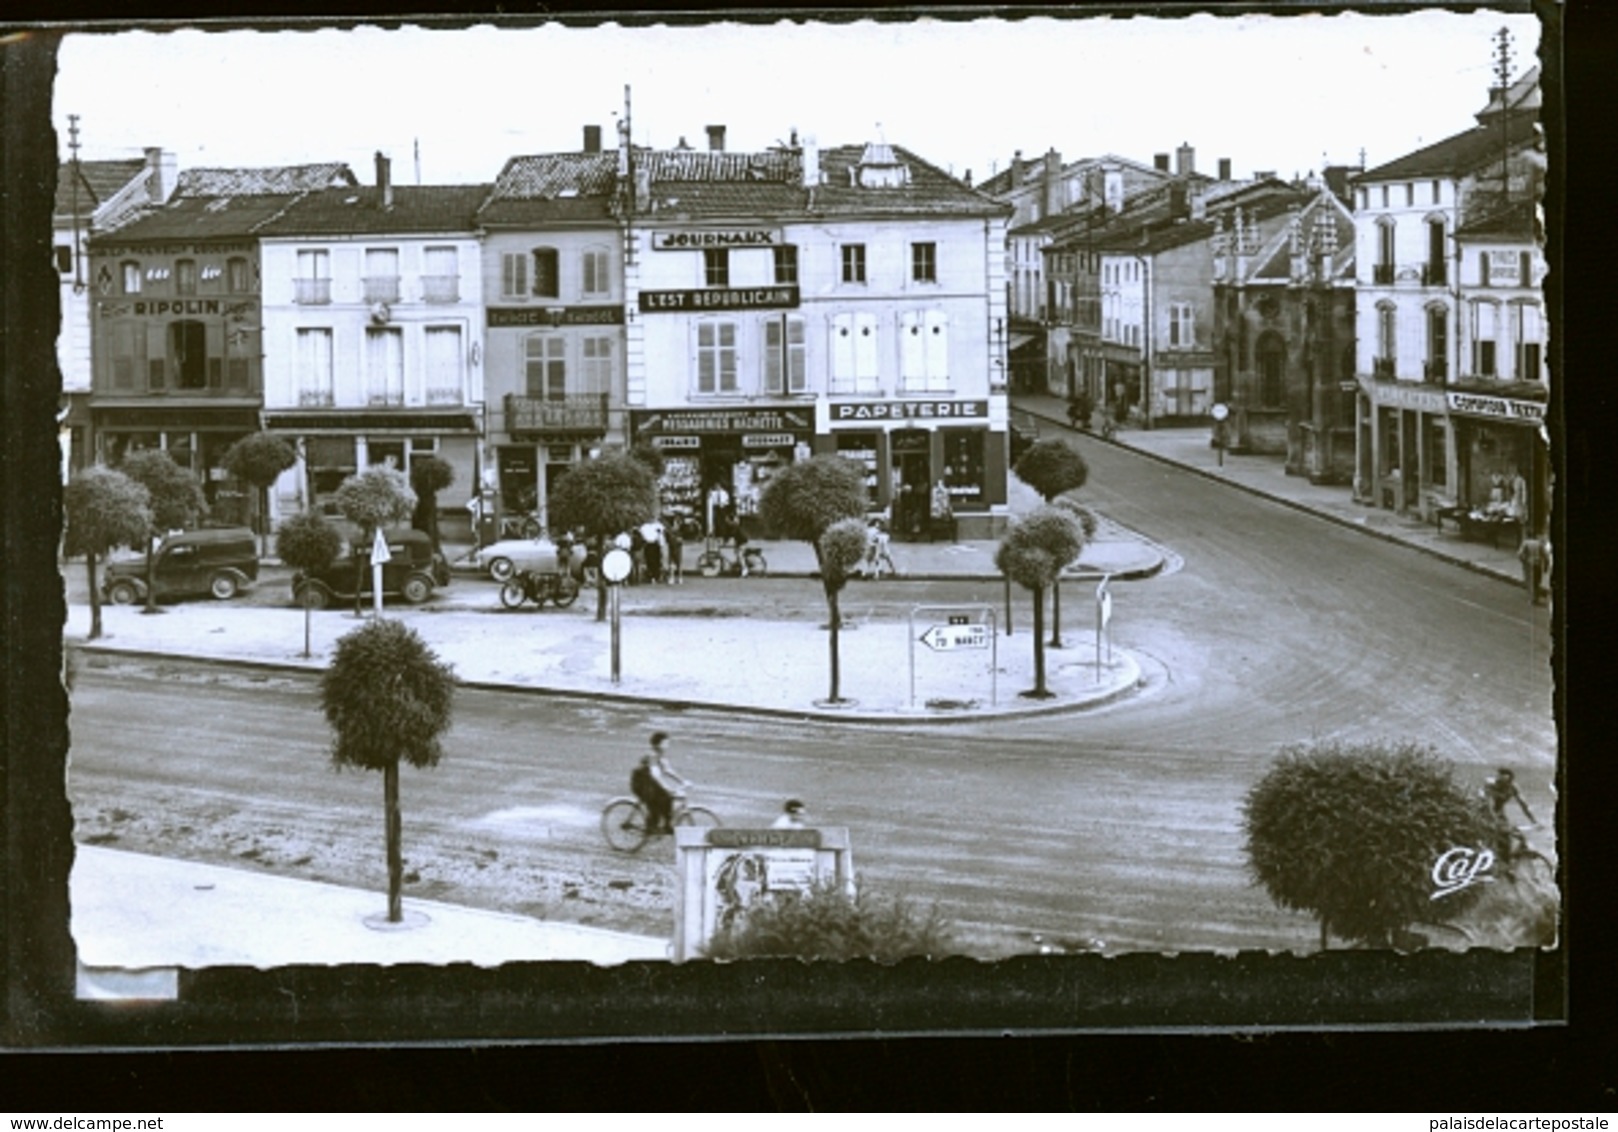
(220, 561)
(538, 555)
(413, 571)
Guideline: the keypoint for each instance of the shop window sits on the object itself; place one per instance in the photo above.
(716, 357)
(784, 367)
(860, 447)
(385, 453)
(1437, 450)
(545, 366)
(963, 466)
(716, 267)
(330, 460)
(786, 264)
(853, 263)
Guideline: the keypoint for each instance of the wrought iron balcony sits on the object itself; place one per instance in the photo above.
(441, 288)
(311, 291)
(381, 288)
(1382, 367)
(1434, 274)
(1435, 370)
(577, 413)
(1382, 273)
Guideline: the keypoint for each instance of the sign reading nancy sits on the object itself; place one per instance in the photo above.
(909, 410)
(720, 299)
(716, 238)
(556, 316)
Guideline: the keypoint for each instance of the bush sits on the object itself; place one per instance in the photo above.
(1351, 832)
(828, 923)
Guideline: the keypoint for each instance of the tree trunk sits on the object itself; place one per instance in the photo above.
(1039, 692)
(263, 501)
(95, 596)
(307, 615)
(1056, 614)
(836, 622)
(362, 563)
(601, 578)
(390, 809)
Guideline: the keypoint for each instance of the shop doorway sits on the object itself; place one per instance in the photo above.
(912, 472)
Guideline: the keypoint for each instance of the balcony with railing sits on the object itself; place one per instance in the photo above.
(311, 292)
(1434, 274)
(441, 288)
(381, 288)
(1382, 273)
(1435, 369)
(576, 414)
(1381, 367)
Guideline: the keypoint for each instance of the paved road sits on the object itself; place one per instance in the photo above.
(1119, 828)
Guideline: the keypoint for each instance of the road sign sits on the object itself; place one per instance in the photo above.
(379, 549)
(616, 564)
(943, 638)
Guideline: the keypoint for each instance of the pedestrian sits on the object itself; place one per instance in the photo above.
(653, 547)
(791, 817)
(1535, 555)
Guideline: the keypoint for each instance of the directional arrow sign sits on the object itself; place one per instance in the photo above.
(943, 638)
(379, 549)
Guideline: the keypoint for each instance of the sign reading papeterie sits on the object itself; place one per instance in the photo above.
(909, 410)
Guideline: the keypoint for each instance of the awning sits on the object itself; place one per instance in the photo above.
(373, 424)
(1018, 341)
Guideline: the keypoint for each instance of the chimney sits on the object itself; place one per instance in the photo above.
(716, 139)
(384, 179)
(161, 165)
(1224, 168)
(1016, 168)
(1053, 182)
(1185, 159)
(811, 161)
(592, 139)
(1160, 162)
(968, 178)
(1178, 209)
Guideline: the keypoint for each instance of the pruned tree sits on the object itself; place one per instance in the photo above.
(651, 457)
(1053, 468)
(429, 475)
(1032, 553)
(803, 500)
(373, 499)
(388, 698)
(600, 498)
(1352, 832)
(258, 459)
(308, 544)
(840, 549)
(176, 502)
(104, 509)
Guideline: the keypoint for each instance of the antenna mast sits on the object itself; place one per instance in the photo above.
(1502, 72)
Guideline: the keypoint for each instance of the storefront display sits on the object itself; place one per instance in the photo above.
(860, 447)
(679, 490)
(963, 467)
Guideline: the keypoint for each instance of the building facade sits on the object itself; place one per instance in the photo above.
(801, 300)
(373, 322)
(554, 325)
(1409, 313)
(1284, 327)
(92, 197)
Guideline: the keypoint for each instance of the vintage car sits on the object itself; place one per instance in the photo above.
(539, 555)
(219, 561)
(413, 571)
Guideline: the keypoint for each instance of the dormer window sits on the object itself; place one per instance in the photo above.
(879, 168)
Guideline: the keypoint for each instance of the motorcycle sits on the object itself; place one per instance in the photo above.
(559, 586)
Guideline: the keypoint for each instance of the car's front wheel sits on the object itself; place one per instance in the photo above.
(223, 586)
(313, 595)
(501, 569)
(416, 589)
(123, 593)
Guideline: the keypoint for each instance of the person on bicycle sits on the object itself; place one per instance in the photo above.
(655, 783)
(1501, 790)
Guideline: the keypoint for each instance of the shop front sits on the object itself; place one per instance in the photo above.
(916, 454)
(737, 450)
(195, 438)
(1403, 448)
(1503, 464)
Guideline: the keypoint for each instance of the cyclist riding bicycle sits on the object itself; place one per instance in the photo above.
(656, 783)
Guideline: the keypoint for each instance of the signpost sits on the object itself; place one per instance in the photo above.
(1103, 620)
(963, 628)
(615, 567)
(1219, 412)
(380, 557)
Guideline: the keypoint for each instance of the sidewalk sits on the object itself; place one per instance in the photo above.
(1266, 475)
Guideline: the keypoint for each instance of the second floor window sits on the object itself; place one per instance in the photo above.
(784, 369)
(595, 370)
(853, 353)
(238, 276)
(716, 357)
(131, 273)
(716, 267)
(1484, 335)
(1528, 336)
(786, 263)
(545, 366)
(924, 263)
(923, 351)
(314, 367)
(1382, 271)
(384, 365)
(594, 272)
(547, 274)
(443, 348)
(513, 275)
(185, 277)
(853, 263)
(441, 278)
(1435, 274)
(313, 282)
(189, 364)
(1182, 327)
(1437, 343)
(381, 275)
(1386, 340)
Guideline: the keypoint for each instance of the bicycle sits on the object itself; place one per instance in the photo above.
(623, 821)
(714, 561)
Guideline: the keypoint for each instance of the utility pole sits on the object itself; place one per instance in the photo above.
(1502, 72)
(78, 257)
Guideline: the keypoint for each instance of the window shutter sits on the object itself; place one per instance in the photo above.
(842, 347)
(912, 348)
(773, 350)
(937, 346)
(865, 367)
